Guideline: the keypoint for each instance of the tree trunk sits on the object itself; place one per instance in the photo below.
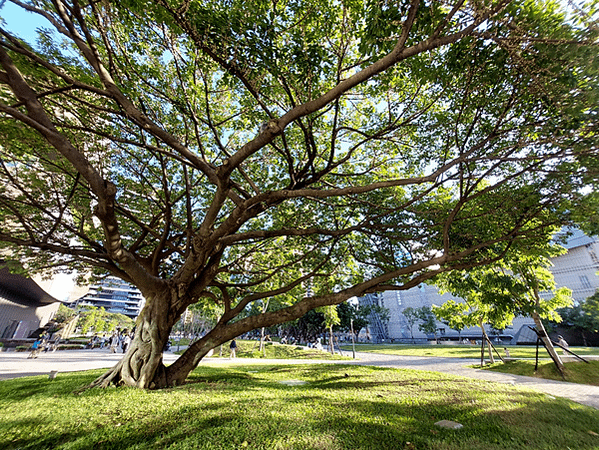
(142, 365)
(264, 309)
(261, 347)
(486, 341)
(548, 344)
(543, 334)
(331, 340)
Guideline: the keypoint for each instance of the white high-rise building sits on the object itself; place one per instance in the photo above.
(115, 296)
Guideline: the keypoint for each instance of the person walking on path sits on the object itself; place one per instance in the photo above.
(126, 342)
(114, 342)
(36, 348)
(562, 342)
(233, 348)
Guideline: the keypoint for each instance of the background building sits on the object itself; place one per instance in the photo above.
(576, 269)
(115, 296)
(24, 306)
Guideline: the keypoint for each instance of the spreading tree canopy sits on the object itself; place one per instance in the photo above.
(228, 152)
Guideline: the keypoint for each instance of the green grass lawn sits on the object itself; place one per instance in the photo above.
(462, 351)
(273, 350)
(575, 372)
(337, 407)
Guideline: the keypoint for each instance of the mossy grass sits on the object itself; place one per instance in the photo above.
(336, 407)
(462, 351)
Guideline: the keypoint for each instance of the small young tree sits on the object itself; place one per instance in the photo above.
(453, 315)
(496, 294)
(428, 323)
(356, 316)
(98, 320)
(63, 314)
(590, 312)
(331, 318)
(412, 317)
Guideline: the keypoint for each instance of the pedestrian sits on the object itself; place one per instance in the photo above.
(35, 348)
(126, 342)
(114, 342)
(562, 343)
(233, 348)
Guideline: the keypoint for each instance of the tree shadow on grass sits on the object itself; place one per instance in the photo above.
(18, 389)
(370, 408)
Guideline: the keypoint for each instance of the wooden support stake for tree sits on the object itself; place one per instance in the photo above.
(537, 355)
(498, 354)
(571, 352)
(539, 337)
(482, 351)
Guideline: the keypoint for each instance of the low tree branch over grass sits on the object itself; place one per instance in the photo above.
(224, 153)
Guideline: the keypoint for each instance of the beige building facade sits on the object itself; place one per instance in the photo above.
(576, 269)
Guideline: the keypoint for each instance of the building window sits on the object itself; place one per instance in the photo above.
(585, 282)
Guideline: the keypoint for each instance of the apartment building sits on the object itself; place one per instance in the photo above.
(115, 296)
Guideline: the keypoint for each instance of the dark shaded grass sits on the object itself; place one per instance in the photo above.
(338, 407)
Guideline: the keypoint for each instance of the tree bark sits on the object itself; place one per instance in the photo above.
(543, 334)
(486, 341)
(142, 365)
(264, 309)
(548, 344)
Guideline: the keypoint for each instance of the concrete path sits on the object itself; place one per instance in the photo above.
(13, 365)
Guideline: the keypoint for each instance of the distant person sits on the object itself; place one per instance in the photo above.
(507, 352)
(114, 342)
(562, 343)
(318, 344)
(233, 348)
(126, 342)
(36, 348)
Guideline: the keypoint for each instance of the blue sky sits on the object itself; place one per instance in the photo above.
(21, 22)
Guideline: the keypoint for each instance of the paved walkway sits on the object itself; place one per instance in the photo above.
(13, 365)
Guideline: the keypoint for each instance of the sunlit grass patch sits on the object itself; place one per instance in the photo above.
(576, 372)
(462, 351)
(275, 350)
(337, 407)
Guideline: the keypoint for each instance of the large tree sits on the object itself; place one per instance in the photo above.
(235, 151)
